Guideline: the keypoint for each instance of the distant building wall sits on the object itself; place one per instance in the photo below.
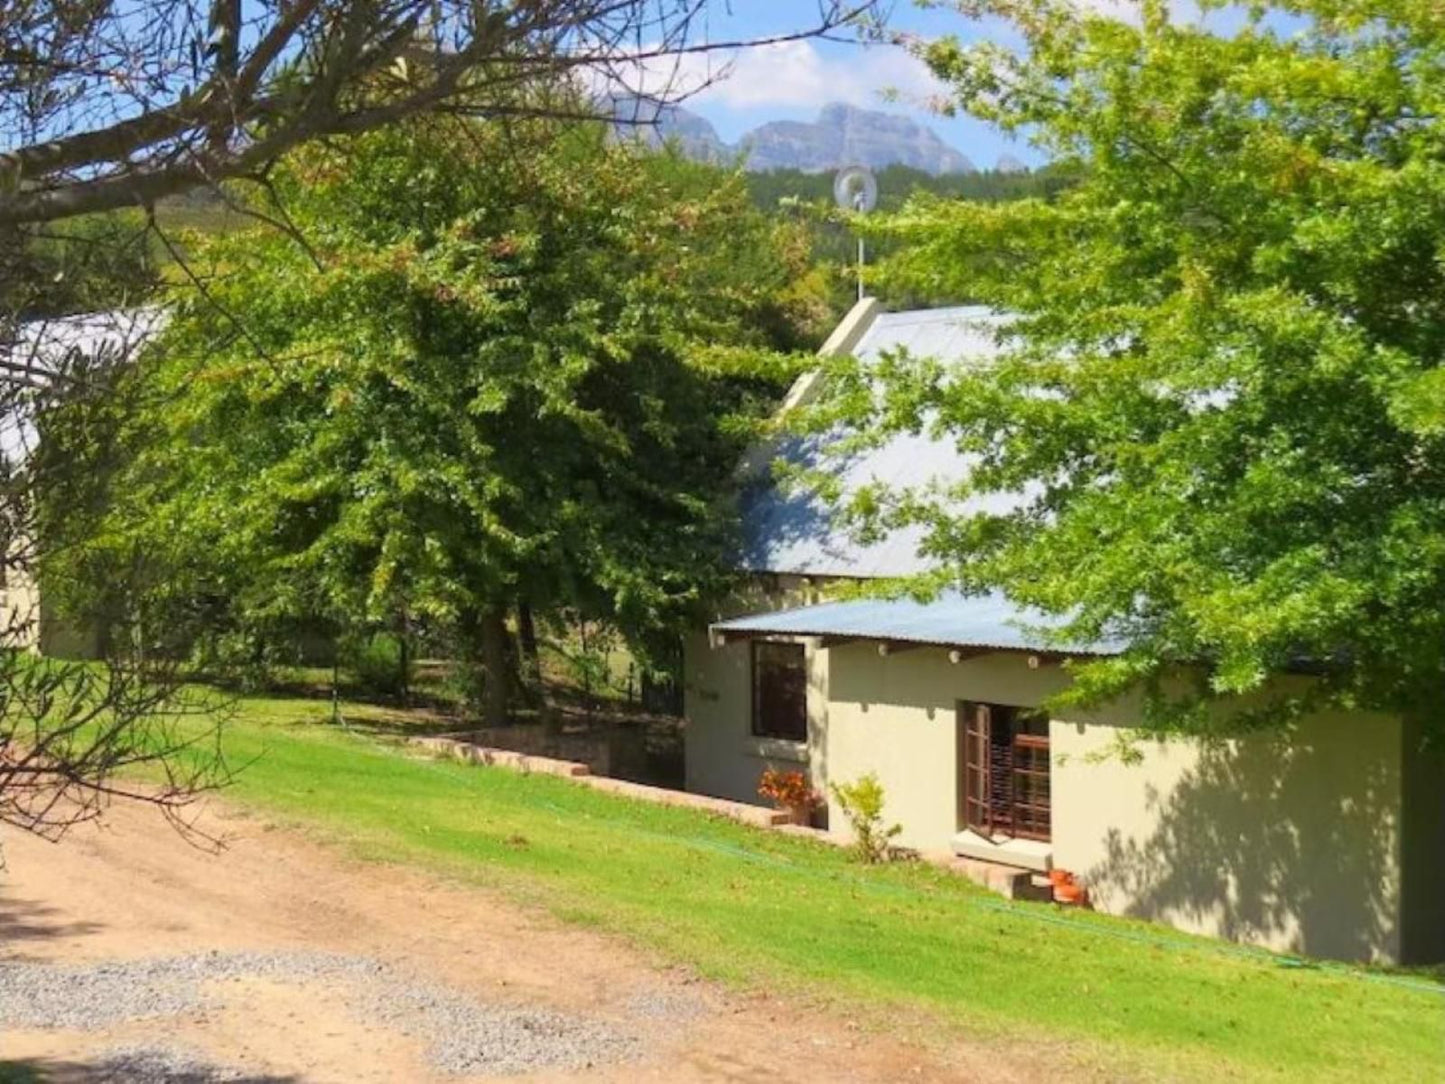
(19, 611)
(29, 623)
(894, 717)
(1292, 841)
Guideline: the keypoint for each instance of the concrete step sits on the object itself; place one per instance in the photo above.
(1008, 881)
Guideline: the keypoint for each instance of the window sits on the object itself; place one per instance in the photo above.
(1005, 770)
(780, 691)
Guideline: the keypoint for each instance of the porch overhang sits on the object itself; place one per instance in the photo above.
(967, 625)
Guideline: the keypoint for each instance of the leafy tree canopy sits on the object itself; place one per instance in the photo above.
(809, 197)
(468, 375)
(1223, 403)
(88, 264)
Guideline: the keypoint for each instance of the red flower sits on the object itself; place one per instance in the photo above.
(787, 789)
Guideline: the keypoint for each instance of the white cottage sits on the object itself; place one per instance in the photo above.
(1328, 842)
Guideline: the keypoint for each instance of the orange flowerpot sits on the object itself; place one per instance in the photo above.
(799, 814)
(1068, 892)
(1060, 877)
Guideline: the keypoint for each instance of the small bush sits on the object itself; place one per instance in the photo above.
(862, 803)
(375, 663)
(238, 657)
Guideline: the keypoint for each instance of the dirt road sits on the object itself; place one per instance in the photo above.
(126, 954)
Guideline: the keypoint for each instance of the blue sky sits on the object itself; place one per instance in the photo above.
(793, 81)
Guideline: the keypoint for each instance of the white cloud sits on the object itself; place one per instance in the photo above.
(791, 75)
(1180, 11)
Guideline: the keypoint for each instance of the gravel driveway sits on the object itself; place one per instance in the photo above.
(127, 955)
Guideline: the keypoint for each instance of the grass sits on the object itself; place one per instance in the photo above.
(763, 909)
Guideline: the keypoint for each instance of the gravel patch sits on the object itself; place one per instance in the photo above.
(467, 1037)
(664, 1005)
(32, 995)
(463, 1035)
(158, 1065)
(91, 996)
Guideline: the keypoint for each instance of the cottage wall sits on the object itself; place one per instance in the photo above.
(1293, 842)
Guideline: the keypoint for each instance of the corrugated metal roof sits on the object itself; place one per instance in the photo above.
(43, 347)
(952, 620)
(790, 530)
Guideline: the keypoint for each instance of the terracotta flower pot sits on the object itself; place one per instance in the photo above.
(1068, 892)
(1060, 877)
(799, 814)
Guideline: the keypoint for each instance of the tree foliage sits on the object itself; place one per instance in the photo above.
(93, 263)
(896, 183)
(75, 734)
(808, 198)
(484, 376)
(1221, 408)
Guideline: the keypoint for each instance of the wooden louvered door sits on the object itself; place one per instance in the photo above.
(976, 734)
(1000, 771)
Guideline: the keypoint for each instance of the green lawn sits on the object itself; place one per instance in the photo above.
(763, 909)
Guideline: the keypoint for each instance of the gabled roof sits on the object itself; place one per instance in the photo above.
(789, 530)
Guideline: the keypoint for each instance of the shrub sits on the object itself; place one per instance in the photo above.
(376, 663)
(238, 657)
(862, 804)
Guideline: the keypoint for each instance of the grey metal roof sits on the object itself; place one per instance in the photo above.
(951, 620)
(790, 530)
(44, 347)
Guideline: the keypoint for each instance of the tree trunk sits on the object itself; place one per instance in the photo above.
(494, 667)
(403, 638)
(531, 660)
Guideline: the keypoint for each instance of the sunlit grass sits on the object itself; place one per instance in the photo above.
(759, 908)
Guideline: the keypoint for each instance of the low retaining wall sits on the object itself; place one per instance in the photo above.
(503, 758)
(756, 815)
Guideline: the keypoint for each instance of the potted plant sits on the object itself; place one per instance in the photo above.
(1066, 887)
(789, 791)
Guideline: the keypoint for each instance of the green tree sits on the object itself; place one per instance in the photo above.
(487, 375)
(1222, 405)
(87, 264)
(806, 199)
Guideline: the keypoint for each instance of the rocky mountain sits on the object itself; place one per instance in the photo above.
(843, 135)
(654, 123)
(1007, 163)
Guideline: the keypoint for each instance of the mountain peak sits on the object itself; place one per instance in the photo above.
(848, 135)
(838, 113)
(843, 135)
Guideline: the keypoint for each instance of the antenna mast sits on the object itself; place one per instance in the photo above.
(856, 189)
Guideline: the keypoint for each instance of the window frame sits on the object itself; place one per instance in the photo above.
(1000, 753)
(755, 692)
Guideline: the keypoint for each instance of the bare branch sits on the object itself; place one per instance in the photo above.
(264, 79)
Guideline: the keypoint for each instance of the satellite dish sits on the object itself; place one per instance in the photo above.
(855, 189)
